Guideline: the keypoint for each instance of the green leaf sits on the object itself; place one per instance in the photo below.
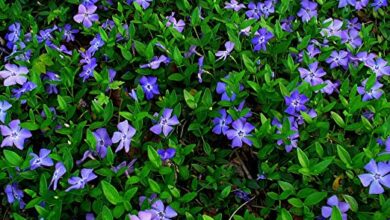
(352, 202)
(103, 34)
(43, 185)
(336, 214)
(61, 102)
(343, 155)
(154, 157)
(321, 166)
(295, 202)
(106, 213)
(286, 215)
(177, 57)
(188, 197)
(12, 158)
(176, 77)
(249, 64)
(206, 217)
(190, 100)
(338, 119)
(226, 191)
(315, 198)
(302, 158)
(111, 193)
(154, 186)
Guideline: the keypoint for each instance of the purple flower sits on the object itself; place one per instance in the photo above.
(313, 74)
(292, 140)
(296, 103)
(326, 211)
(87, 175)
(103, 140)
(166, 154)
(360, 4)
(254, 10)
(87, 71)
(14, 32)
(308, 10)
(133, 95)
(142, 215)
(377, 176)
(262, 36)
(161, 212)
(241, 194)
(14, 74)
(50, 87)
(286, 24)
(166, 122)
(86, 15)
(379, 66)
(45, 36)
(299, 118)
(27, 87)
(14, 134)
(14, 194)
(354, 24)
(149, 86)
(241, 130)
(4, 106)
(156, 62)
(343, 3)
(267, 8)
(129, 169)
(365, 57)
(89, 2)
(89, 216)
(246, 31)
(351, 37)
(178, 25)
(370, 93)
(123, 136)
(379, 4)
(191, 51)
(58, 173)
(200, 66)
(222, 54)
(333, 29)
(96, 43)
(68, 33)
(233, 4)
(88, 58)
(336, 59)
(42, 160)
(144, 3)
(330, 87)
(221, 125)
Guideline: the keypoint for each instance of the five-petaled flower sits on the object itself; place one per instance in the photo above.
(262, 36)
(149, 86)
(221, 124)
(103, 140)
(14, 194)
(166, 122)
(240, 133)
(326, 211)
(295, 103)
(370, 93)
(58, 173)
(42, 160)
(14, 134)
(87, 175)
(4, 106)
(86, 15)
(313, 74)
(166, 154)
(14, 74)
(378, 175)
(123, 136)
(222, 54)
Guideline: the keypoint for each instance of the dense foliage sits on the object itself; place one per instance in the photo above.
(208, 109)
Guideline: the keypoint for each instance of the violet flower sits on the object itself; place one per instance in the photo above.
(96, 43)
(262, 36)
(340, 58)
(267, 8)
(372, 93)
(26, 87)
(149, 86)
(242, 194)
(103, 141)
(166, 154)
(68, 33)
(87, 175)
(88, 58)
(308, 10)
(354, 24)
(200, 69)
(129, 167)
(88, 71)
(86, 15)
(156, 62)
(241, 130)
(295, 103)
(222, 54)
(42, 160)
(45, 36)
(178, 25)
(165, 123)
(191, 51)
(162, 212)
(330, 87)
(379, 4)
(221, 125)
(4, 106)
(14, 194)
(14, 32)
(326, 211)
(123, 136)
(233, 4)
(343, 3)
(292, 139)
(286, 24)
(14, 74)
(360, 4)
(50, 87)
(379, 66)
(313, 74)
(14, 134)
(142, 215)
(254, 11)
(58, 173)
(364, 57)
(333, 29)
(351, 37)
(144, 3)
(378, 175)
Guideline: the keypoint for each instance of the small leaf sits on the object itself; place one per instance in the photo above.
(302, 158)
(226, 191)
(154, 157)
(12, 158)
(315, 198)
(111, 193)
(154, 186)
(336, 214)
